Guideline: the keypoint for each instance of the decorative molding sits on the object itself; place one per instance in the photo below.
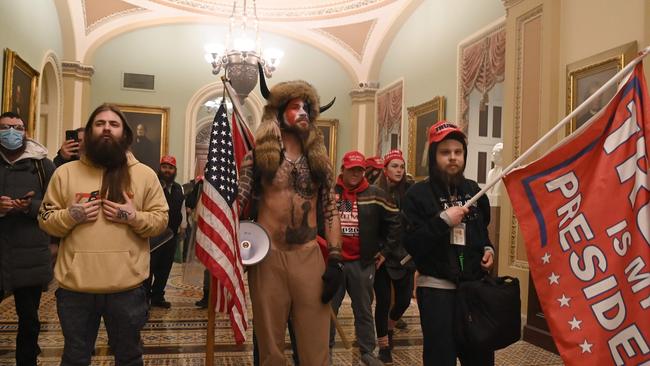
(77, 70)
(358, 54)
(510, 3)
(90, 27)
(363, 95)
(514, 226)
(275, 10)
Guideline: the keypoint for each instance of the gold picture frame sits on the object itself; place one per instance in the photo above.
(421, 117)
(329, 129)
(19, 89)
(584, 77)
(149, 148)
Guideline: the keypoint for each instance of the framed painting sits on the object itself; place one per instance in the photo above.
(389, 102)
(421, 117)
(329, 127)
(149, 125)
(586, 76)
(19, 89)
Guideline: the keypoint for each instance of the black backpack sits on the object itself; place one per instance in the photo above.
(488, 313)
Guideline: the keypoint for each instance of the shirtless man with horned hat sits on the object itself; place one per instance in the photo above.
(290, 177)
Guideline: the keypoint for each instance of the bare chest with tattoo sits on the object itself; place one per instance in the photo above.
(288, 204)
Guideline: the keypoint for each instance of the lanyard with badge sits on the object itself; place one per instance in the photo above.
(457, 237)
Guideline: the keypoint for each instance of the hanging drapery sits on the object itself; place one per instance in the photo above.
(482, 67)
(389, 114)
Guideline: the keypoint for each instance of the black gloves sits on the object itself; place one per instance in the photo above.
(333, 278)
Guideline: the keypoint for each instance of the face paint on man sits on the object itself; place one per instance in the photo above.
(296, 117)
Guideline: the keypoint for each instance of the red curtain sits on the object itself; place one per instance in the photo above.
(389, 114)
(483, 66)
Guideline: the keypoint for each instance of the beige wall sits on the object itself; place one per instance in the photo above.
(543, 37)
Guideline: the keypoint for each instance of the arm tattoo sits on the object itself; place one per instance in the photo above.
(245, 187)
(77, 212)
(332, 223)
(329, 205)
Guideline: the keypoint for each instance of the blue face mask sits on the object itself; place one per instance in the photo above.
(11, 139)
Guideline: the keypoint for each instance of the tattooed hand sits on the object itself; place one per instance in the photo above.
(84, 212)
(120, 213)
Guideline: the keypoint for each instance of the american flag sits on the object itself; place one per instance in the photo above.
(218, 221)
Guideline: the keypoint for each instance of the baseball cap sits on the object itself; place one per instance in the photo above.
(353, 159)
(392, 155)
(168, 159)
(375, 162)
(441, 129)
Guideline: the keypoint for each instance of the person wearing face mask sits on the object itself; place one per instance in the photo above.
(25, 266)
(395, 182)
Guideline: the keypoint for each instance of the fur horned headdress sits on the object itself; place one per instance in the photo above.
(269, 150)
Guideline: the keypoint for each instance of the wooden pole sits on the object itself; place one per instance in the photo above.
(344, 338)
(209, 339)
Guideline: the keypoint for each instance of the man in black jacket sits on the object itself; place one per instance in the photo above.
(25, 266)
(448, 242)
(369, 222)
(162, 258)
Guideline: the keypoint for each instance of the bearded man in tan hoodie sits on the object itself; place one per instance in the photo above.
(105, 207)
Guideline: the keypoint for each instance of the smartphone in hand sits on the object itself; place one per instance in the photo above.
(72, 135)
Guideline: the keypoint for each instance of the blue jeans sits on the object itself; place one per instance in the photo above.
(124, 313)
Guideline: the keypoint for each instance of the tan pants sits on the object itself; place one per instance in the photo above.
(288, 283)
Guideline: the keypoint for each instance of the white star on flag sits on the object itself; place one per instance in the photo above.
(575, 323)
(546, 259)
(564, 301)
(586, 346)
(553, 278)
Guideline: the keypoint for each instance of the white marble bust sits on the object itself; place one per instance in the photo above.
(496, 190)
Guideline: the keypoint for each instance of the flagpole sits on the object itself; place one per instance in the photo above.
(615, 79)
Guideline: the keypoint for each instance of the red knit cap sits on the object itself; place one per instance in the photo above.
(392, 155)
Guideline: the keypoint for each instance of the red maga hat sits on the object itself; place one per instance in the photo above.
(168, 159)
(441, 129)
(353, 159)
(375, 162)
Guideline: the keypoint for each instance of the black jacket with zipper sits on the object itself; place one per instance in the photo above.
(426, 236)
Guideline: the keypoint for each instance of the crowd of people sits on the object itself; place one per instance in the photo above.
(97, 208)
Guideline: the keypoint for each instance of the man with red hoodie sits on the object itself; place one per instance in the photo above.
(369, 224)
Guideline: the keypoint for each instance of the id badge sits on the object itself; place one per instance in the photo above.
(458, 234)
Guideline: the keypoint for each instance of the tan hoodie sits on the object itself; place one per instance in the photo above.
(102, 256)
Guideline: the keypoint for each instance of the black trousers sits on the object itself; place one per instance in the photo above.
(27, 301)
(403, 290)
(161, 265)
(437, 320)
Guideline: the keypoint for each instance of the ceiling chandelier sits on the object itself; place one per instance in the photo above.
(241, 53)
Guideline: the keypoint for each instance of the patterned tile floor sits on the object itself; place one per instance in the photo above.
(177, 336)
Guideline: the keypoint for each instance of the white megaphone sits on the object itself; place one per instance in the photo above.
(254, 242)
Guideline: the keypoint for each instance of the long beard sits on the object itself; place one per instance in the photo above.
(446, 179)
(168, 179)
(108, 153)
